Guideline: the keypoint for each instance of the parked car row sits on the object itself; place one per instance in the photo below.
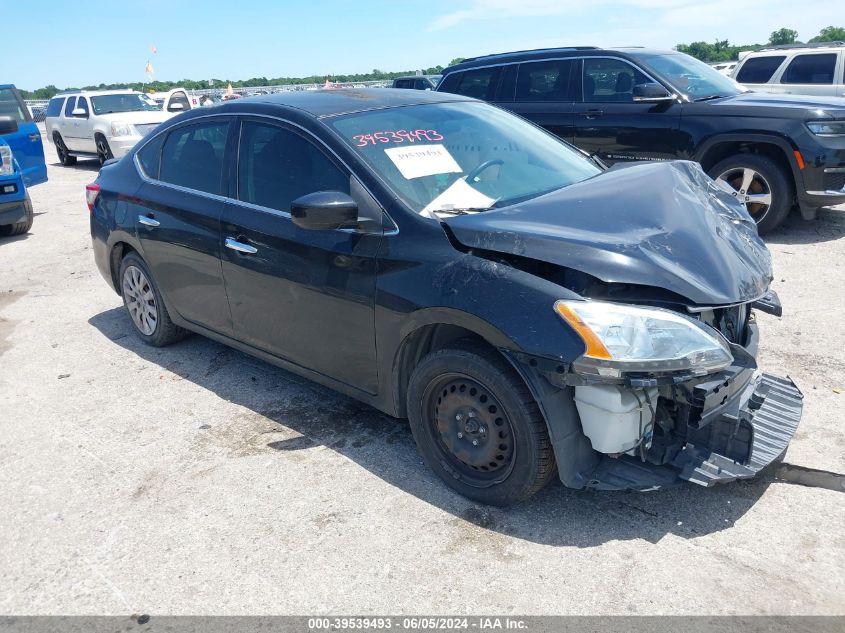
(532, 312)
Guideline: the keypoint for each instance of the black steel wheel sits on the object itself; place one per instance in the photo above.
(471, 428)
(477, 425)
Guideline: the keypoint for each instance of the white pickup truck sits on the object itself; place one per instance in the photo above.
(106, 124)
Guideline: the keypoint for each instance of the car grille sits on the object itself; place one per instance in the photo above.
(143, 128)
(834, 181)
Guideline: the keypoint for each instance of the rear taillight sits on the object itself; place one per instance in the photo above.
(91, 193)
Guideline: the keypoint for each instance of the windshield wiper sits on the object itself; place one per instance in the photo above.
(461, 210)
(710, 97)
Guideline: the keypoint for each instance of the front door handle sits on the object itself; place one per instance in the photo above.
(592, 114)
(240, 247)
(147, 221)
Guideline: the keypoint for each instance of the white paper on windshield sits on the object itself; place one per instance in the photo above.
(424, 160)
(459, 196)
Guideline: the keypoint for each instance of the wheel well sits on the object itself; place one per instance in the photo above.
(118, 252)
(422, 342)
(720, 151)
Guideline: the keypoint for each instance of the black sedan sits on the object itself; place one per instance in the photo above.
(529, 312)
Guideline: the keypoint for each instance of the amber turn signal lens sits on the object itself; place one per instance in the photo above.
(595, 348)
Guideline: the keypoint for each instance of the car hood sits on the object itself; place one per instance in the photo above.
(779, 105)
(665, 225)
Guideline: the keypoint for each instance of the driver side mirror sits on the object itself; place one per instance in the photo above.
(79, 113)
(651, 93)
(323, 210)
(8, 125)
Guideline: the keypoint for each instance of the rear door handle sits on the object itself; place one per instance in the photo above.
(592, 114)
(147, 221)
(240, 247)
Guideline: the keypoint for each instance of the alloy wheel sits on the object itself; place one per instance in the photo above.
(751, 188)
(140, 300)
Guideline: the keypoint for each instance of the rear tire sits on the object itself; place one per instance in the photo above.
(19, 228)
(62, 152)
(144, 305)
(478, 427)
(758, 177)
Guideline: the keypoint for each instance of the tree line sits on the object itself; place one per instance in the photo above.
(48, 92)
(722, 50)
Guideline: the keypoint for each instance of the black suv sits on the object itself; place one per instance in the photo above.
(635, 104)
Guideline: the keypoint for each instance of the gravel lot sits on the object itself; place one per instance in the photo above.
(195, 479)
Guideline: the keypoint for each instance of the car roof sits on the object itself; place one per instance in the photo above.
(546, 53)
(331, 102)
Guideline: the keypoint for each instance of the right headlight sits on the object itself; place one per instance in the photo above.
(625, 338)
(827, 128)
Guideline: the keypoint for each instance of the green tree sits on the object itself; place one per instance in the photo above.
(783, 36)
(457, 60)
(830, 34)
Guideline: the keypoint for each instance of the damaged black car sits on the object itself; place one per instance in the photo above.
(532, 313)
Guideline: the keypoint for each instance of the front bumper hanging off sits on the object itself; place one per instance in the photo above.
(737, 444)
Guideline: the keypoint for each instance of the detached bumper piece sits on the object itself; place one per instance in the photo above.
(735, 443)
(771, 415)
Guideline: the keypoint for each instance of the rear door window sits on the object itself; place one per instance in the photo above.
(192, 156)
(150, 156)
(547, 81)
(759, 70)
(480, 83)
(54, 108)
(810, 69)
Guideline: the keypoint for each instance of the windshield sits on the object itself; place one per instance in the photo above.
(452, 158)
(11, 106)
(691, 77)
(129, 102)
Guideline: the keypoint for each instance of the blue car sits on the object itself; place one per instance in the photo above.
(21, 162)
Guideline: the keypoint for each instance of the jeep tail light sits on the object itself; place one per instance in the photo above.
(91, 193)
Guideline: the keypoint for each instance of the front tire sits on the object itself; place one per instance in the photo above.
(144, 304)
(104, 152)
(478, 427)
(19, 228)
(761, 184)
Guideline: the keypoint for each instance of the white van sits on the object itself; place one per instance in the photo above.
(801, 69)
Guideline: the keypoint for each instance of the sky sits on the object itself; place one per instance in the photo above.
(69, 44)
